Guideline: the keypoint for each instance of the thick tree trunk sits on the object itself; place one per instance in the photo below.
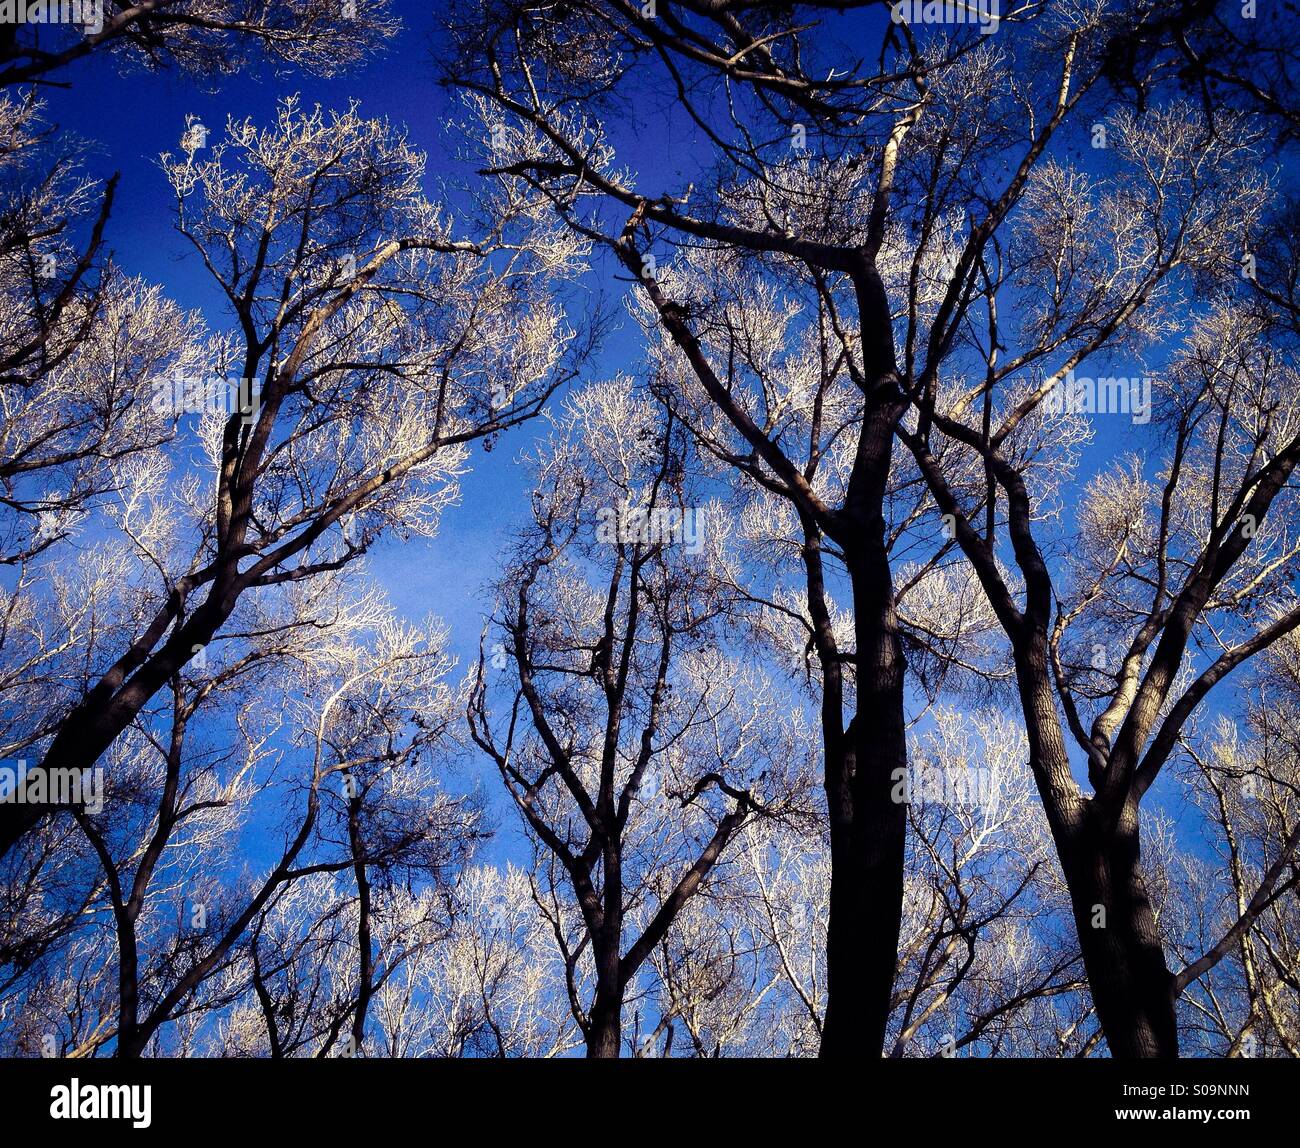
(131, 1047)
(865, 914)
(1123, 957)
(129, 1044)
(604, 1030)
(1123, 954)
(17, 820)
(867, 826)
(603, 1038)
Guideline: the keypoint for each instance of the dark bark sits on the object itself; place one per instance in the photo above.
(1132, 986)
(111, 706)
(1100, 856)
(604, 1029)
(365, 945)
(605, 1023)
(117, 698)
(867, 828)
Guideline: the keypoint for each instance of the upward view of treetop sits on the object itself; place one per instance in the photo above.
(720, 529)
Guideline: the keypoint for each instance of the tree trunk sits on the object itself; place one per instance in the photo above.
(17, 820)
(1122, 948)
(867, 826)
(866, 904)
(604, 1030)
(129, 1044)
(1098, 847)
(365, 945)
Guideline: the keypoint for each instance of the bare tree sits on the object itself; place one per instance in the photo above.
(987, 965)
(368, 349)
(83, 344)
(206, 37)
(634, 747)
(855, 520)
(344, 765)
(1078, 270)
(1238, 941)
(525, 66)
(1166, 563)
(492, 985)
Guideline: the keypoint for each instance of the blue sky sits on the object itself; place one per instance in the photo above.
(148, 117)
(131, 119)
